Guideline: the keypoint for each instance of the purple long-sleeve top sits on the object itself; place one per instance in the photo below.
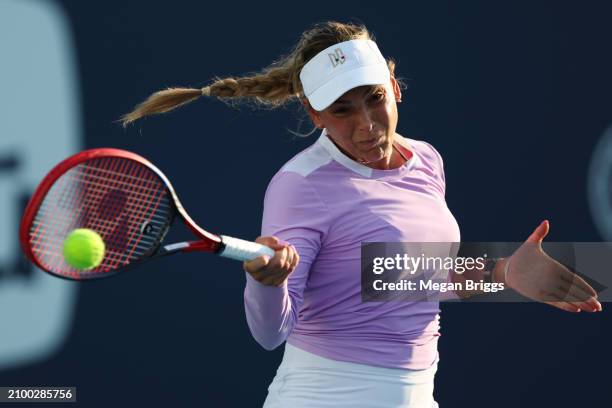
(325, 204)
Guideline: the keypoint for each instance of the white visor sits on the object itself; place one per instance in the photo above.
(340, 68)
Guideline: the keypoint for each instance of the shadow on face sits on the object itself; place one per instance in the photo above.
(362, 122)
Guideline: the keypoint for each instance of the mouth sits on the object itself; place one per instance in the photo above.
(369, 143)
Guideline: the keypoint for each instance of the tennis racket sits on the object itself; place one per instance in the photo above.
(124, 198)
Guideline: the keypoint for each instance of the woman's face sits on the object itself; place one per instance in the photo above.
(362, 122)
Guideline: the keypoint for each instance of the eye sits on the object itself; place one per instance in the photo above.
(377, 96)
(340, 111)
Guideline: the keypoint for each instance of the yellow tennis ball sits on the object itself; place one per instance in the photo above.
(83, 249)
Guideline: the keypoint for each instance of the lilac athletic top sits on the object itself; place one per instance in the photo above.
(325, 204)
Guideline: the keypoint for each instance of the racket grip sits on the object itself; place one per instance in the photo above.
(242, 250)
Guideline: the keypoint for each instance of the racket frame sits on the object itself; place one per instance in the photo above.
(208, 242)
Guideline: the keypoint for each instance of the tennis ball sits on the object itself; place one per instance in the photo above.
(83, 249)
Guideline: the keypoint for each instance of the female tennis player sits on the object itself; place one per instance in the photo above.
(360, 181)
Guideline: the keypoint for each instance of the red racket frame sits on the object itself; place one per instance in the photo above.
(208, 242)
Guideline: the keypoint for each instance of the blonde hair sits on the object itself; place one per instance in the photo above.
(274, 86)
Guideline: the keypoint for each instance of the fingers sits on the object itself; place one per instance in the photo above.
(580, 293)
(539, 233)
(569, 288)
(273, 271)
(576, 281)
(568, 307)
(582, 304)
(292, 259)
(579, 298)
(279, 261)
(271, 242)
(279, 267)
(574, 303)
(256, 264)
(295, 260)
(573, 295)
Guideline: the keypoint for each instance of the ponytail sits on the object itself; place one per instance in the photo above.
(273, 87)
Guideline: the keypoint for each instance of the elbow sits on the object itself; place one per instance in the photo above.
(270, 342)
(269, 330)
(269, 346)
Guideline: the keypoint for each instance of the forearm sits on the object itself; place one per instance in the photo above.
(269, 312)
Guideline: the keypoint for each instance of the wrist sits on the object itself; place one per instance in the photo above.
(500, 272)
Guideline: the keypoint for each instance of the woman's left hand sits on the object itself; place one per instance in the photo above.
(537, 276)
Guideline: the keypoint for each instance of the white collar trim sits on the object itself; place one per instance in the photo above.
(341, 157)
(351, 164)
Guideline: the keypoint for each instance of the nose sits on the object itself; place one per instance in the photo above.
(364, 120)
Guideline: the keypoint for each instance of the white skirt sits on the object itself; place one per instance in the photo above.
(308, 380)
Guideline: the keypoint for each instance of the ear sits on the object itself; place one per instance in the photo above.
(314, 115)
(396, 89)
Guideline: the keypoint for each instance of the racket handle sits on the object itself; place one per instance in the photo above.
(242, 250)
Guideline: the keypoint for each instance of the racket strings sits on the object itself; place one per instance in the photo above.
(54, 227)
(108, 208)
(124, 201)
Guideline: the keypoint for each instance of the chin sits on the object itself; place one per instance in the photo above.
(372, 157)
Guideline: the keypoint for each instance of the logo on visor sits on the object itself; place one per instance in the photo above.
(337, 57)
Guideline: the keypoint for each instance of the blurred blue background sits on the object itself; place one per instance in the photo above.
(516, 96)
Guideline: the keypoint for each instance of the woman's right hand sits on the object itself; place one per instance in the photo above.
(273, 272)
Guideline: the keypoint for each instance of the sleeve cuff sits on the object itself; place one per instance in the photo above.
(257, 288)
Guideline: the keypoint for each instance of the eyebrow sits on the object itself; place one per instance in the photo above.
(370, 90)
